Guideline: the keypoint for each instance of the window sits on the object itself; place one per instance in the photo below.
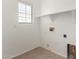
(24, 13)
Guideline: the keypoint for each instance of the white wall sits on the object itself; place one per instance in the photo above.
(64, 23)
(56, 6)
(18, 38)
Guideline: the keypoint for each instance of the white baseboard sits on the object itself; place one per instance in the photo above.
(44, 48)
(56, 53)
(59, 54)
(22, 53)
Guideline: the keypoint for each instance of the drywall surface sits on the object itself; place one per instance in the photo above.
(56, 6)
(64, 23)
(18, 38)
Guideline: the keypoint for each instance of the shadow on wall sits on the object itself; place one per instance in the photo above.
(54, 17)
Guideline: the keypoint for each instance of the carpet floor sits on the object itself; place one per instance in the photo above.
(39, 53)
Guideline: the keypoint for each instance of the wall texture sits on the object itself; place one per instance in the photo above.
(64, 23)
(18, 38)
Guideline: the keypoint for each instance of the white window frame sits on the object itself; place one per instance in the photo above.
(31, 13)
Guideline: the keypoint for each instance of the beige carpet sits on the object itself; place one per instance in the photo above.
(39, 53)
